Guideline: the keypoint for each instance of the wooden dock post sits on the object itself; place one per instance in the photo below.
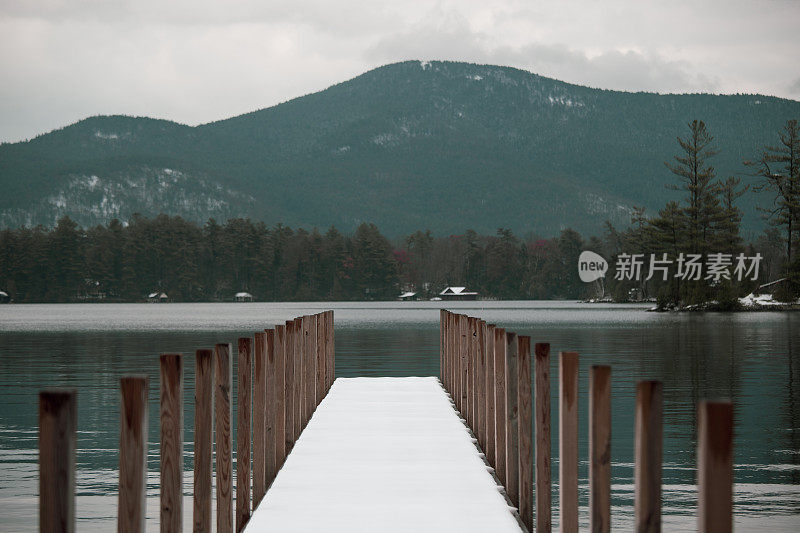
(473, 374)
(542, 420)
(457, 359)
(456, 355)
(244, 364)
(280, 396)
(471, 346)
(203, 439)
(447, 382)
(600, 449)
(171, 407)
(451, 355)
(464, 353)
(568, 442)
(445, 333)
(319, 318)
(715, 467)
(500, 404)
(259, 420)
(222, 432)
(310, 357)
(490, 395)
(289, 386)
(512, 419)
(647, 451)
(525, 433)
(132, 455)
(442, 314)
(301, 330)
(480, 386)
(271, 412)
(458, 386)
(300, 376)
(330, 340)
(58, 429)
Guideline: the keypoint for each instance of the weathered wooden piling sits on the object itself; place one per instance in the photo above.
(259, 421)
(490, 396)
(470, 376)
(480, 380)
(58, 427)
(456, 390)
(647, 457)
(568, 442)
(442, 362)
(715, 467)
(270, 414)
(453, 356)
(301, 376)
(203, 439)
(542, 420)
(320, 357)
(476, 382)
(222, 431)
(330, 342)
(500, 404)
(131, 508)
(289, 385)
(171, 410)
(280, 396)
(244, 363)
(525, 432)
(309, 355)
(512, 419)
(463, 329)
(600, 449)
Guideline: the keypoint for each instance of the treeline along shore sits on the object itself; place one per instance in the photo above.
(212, 262)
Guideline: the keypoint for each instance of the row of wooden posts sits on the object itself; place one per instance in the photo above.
(487, 371)
(283, 374)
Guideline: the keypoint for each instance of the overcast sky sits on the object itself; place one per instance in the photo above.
(195, 61)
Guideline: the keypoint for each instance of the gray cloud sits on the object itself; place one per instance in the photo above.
(194, 61)
(609, 69)
(794, 87)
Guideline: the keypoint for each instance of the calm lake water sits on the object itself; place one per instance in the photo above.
(754, 359)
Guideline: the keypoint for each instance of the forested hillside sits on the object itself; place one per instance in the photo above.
(410, 145)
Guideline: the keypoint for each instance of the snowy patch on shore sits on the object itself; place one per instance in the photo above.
(763, 300)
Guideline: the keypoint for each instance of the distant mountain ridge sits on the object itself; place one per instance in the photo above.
(411, 145)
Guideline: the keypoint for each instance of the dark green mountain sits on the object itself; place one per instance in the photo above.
(412, 145)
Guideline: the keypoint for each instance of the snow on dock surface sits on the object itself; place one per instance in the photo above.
(384, 454)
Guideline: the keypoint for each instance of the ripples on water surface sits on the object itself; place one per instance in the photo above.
(752, 358)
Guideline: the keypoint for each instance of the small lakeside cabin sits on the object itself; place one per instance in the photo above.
(4, 297)
(243, 297)
(457, 293)
(407, 296)
(157, 298)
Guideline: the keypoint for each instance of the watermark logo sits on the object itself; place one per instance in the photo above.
(714, 267)
(591, 266)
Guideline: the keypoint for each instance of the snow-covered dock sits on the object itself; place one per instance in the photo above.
(385, 454)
